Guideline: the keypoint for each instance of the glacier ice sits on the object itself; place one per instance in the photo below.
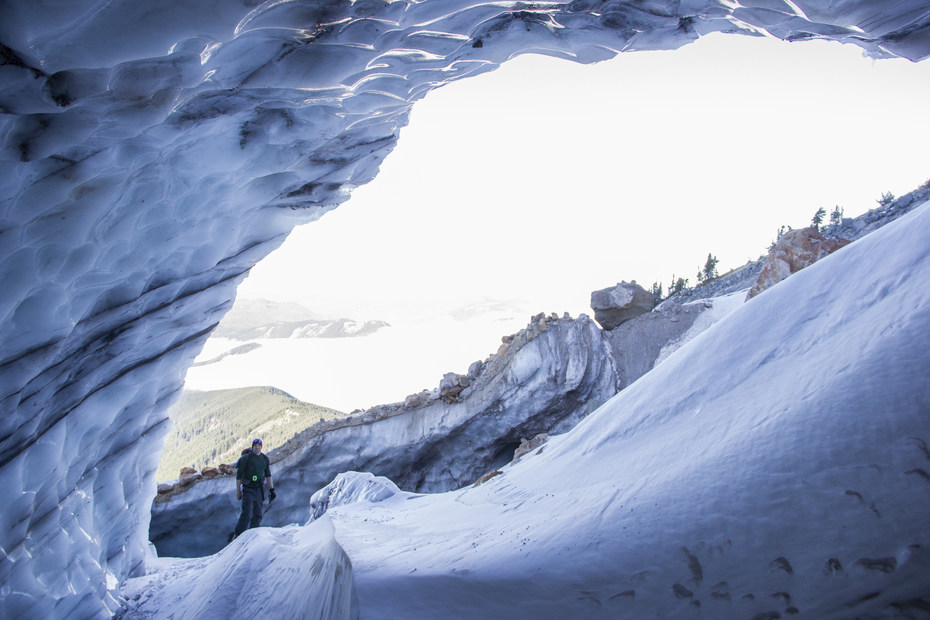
(153, 154)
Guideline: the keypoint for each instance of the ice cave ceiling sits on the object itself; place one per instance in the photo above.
(154, 152)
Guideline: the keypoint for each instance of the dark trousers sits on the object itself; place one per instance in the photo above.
(251, 515)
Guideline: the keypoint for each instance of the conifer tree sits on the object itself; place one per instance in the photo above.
(710, 269)
(817, 220)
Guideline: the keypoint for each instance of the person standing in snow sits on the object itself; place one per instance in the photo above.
(252, 471)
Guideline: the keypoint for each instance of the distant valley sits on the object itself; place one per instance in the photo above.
(254, 319)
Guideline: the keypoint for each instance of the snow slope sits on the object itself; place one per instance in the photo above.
(719, 308)
(776, 465)
(786, 440)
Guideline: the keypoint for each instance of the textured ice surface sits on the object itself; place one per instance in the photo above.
(153, 153)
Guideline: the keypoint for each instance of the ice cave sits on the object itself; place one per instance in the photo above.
(154, 151)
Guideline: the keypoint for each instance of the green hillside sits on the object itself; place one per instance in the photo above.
(213, 427)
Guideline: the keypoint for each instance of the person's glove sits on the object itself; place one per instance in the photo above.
(271, 495)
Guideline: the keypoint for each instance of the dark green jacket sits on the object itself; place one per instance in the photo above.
(253, 470)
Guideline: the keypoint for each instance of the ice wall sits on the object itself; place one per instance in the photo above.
(153, 152)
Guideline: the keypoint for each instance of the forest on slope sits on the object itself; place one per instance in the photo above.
(212, 427)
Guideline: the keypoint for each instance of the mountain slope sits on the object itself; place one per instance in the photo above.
(213, 427)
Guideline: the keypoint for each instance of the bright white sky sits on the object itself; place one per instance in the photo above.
(545, 180)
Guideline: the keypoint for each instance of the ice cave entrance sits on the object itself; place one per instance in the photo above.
(555, 179)
(97, 350)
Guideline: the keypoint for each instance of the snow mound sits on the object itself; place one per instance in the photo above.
(291, 572)
(350, 488)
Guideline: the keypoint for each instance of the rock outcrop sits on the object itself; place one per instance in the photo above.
(616, 305)
(640, 343)
(545, 379)
(528, 445)
(451, 386)
(872, 220)
(794, 251)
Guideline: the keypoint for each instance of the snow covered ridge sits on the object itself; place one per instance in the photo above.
(153, 154)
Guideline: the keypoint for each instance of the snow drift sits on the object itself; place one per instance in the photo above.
(303, 573)
(152, 154)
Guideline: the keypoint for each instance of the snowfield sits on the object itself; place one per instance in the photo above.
(774, 466)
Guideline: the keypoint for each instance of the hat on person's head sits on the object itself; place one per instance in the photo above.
(256, 441)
